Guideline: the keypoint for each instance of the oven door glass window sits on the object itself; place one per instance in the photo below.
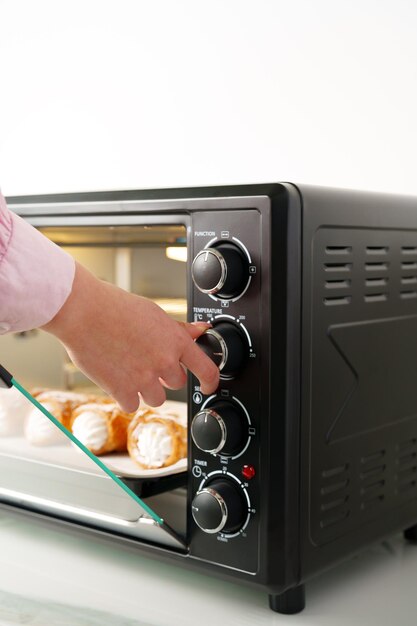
(136, 487)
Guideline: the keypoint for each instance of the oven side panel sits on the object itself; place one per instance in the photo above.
(359, 397)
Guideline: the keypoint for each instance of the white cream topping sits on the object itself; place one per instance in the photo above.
(167, 411)
(154, 444)
(91, 428)
(62, 396)
(97, 406)
(40, 431)
(14, 408)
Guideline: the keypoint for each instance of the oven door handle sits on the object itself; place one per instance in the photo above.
(6, 379)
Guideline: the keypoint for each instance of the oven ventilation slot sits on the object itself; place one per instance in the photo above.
(333, 487)
(337, 267)
(337, 284)
(334, 493)
(337, 300)
(334, 471)
(407, 295)
(406, 475)
(338, 249)
(376, 297)
(370, 473)
(372, 479)
(409, 278)
(376, 266)
(373, 457)
(409, 265)
(377, 249)
(335, 518)
(372, 501)
(376, 282)
(389, 271)
(334, 504)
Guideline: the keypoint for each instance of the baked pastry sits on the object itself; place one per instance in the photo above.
(14, 408)
(36, 391)
(156, 438)
(101, 427)
(39, 430)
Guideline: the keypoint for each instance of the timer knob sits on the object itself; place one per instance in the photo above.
(226, 345)
(219, 429)
(219, 506)
(221, 270)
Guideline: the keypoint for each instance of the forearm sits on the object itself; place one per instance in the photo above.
(81, 308)
(127, 344)
(36, 276)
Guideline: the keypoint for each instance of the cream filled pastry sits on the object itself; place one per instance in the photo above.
(69, 399)
(101, 427)
(156, 439)
(40, 430)
(14, 408)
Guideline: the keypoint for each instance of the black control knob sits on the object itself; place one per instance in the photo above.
(219, 429)
(221, 270)
(219, 507)
(227, 346)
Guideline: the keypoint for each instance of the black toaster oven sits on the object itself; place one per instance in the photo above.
(307, 452)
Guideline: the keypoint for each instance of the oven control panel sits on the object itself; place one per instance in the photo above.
(224, 427)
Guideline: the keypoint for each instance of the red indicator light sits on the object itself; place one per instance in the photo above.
(248, 472)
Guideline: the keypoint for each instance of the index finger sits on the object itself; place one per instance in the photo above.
(201, 366)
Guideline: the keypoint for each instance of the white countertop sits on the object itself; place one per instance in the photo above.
(50, 577)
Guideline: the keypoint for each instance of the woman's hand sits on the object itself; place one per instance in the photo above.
(127, 344)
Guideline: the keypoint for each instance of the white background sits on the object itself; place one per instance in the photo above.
(100, 94)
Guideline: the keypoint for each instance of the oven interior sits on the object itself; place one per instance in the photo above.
(47, 473)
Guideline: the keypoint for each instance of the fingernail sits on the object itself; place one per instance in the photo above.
(201, 324)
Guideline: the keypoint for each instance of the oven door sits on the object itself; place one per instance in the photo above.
(41, 470)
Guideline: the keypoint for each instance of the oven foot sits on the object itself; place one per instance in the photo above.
(289, 602)
(411, 533)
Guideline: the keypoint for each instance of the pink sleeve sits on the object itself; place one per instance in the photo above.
(36, 276)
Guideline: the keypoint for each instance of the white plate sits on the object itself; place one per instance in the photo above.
(123, 465)
(65, 455)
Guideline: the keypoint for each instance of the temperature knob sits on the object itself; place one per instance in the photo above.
(219, 506)
(221, 270)
(219, 429)
(227, 346)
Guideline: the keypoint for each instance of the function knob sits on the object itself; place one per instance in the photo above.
(219, 507)
(221, 270)
(219, 429)
(226, 345)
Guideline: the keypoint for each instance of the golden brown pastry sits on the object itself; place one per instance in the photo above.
(67, 400)
(156, 438)
(36, 391)
(101, 427)
(39, 430)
